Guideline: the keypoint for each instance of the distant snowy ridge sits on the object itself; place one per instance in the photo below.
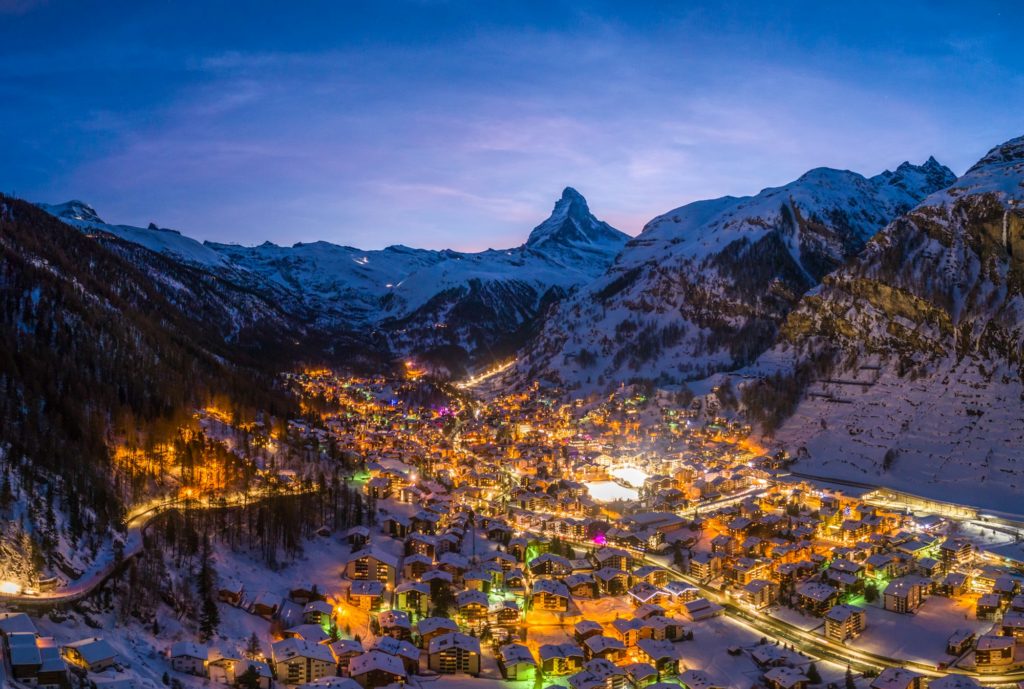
(704, 287)
(420, 300)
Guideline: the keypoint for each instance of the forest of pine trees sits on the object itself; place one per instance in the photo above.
(91, 348)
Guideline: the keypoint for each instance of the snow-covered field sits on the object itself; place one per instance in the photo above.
(957, 436)
(921, 636)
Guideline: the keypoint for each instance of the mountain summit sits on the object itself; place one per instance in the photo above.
(704, 287)
(924, 329)
(420, 300)
(571, 224)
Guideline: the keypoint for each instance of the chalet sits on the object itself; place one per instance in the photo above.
(517, 663)
(296, 661)
(613, 557)
(954, 584)
(959, 642)
(357, 536)
(549, 594)
(415, 566)
(549, 564)
(93, 654)
(652, 574)
(994, 652)
(344, 650)
(581, 585)
(612, 581)
(1012, 625)
(643, 593)
(226, 668)
(928, 567)
(560, 659)
(700, 609)
(898, 678)
(379, 487)
(429, 576)
(844, 622)
(661, 654)
(373, 564)
(515, 581)
(24, 655)
(585, 629)
(704, 566)
(506, 561)
(903, 594)
(478, 580)
(627, 630)
(955, 551)
(403, 650)
(395, 623)
(377, 669)
(724, 545)
(266, 605)
(455, 564)
(760, 593)
(662, 627)
(421, 544)
(641, 674)
(365, 595)
(647, 610)
(473, 607)
(606, 647)
(317, 612)
(598, 673)
(499, 532)
(424, 522)
(786, 678)
(231, 592)
(454, 653)
(430, 627)
(506, 614)
(304, 593)
(413, 597)
(816, 597)
(189, 658)
(680, 592)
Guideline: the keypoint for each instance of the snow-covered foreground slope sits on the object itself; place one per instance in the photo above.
(954, 435)
(924, 333)
(703, 287)
(421, 300)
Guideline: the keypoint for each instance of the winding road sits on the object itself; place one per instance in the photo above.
(136, 521)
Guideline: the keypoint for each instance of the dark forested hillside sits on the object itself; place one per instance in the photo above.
(90, 344)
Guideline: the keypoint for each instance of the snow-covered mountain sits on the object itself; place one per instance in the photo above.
(906, 366)
(456, 305)
(704, 287)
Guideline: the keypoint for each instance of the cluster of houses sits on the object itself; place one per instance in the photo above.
(38, 661)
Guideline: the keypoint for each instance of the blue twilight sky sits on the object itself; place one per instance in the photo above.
(456, 124)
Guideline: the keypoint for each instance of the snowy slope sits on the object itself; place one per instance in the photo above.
(704, 286)
(925, 331)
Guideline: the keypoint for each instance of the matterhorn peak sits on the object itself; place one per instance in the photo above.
(571, 224)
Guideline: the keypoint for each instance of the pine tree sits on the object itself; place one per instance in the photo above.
(250, 679)
(252, 648)
(850, 684)
(812, 674)
(209, 619)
